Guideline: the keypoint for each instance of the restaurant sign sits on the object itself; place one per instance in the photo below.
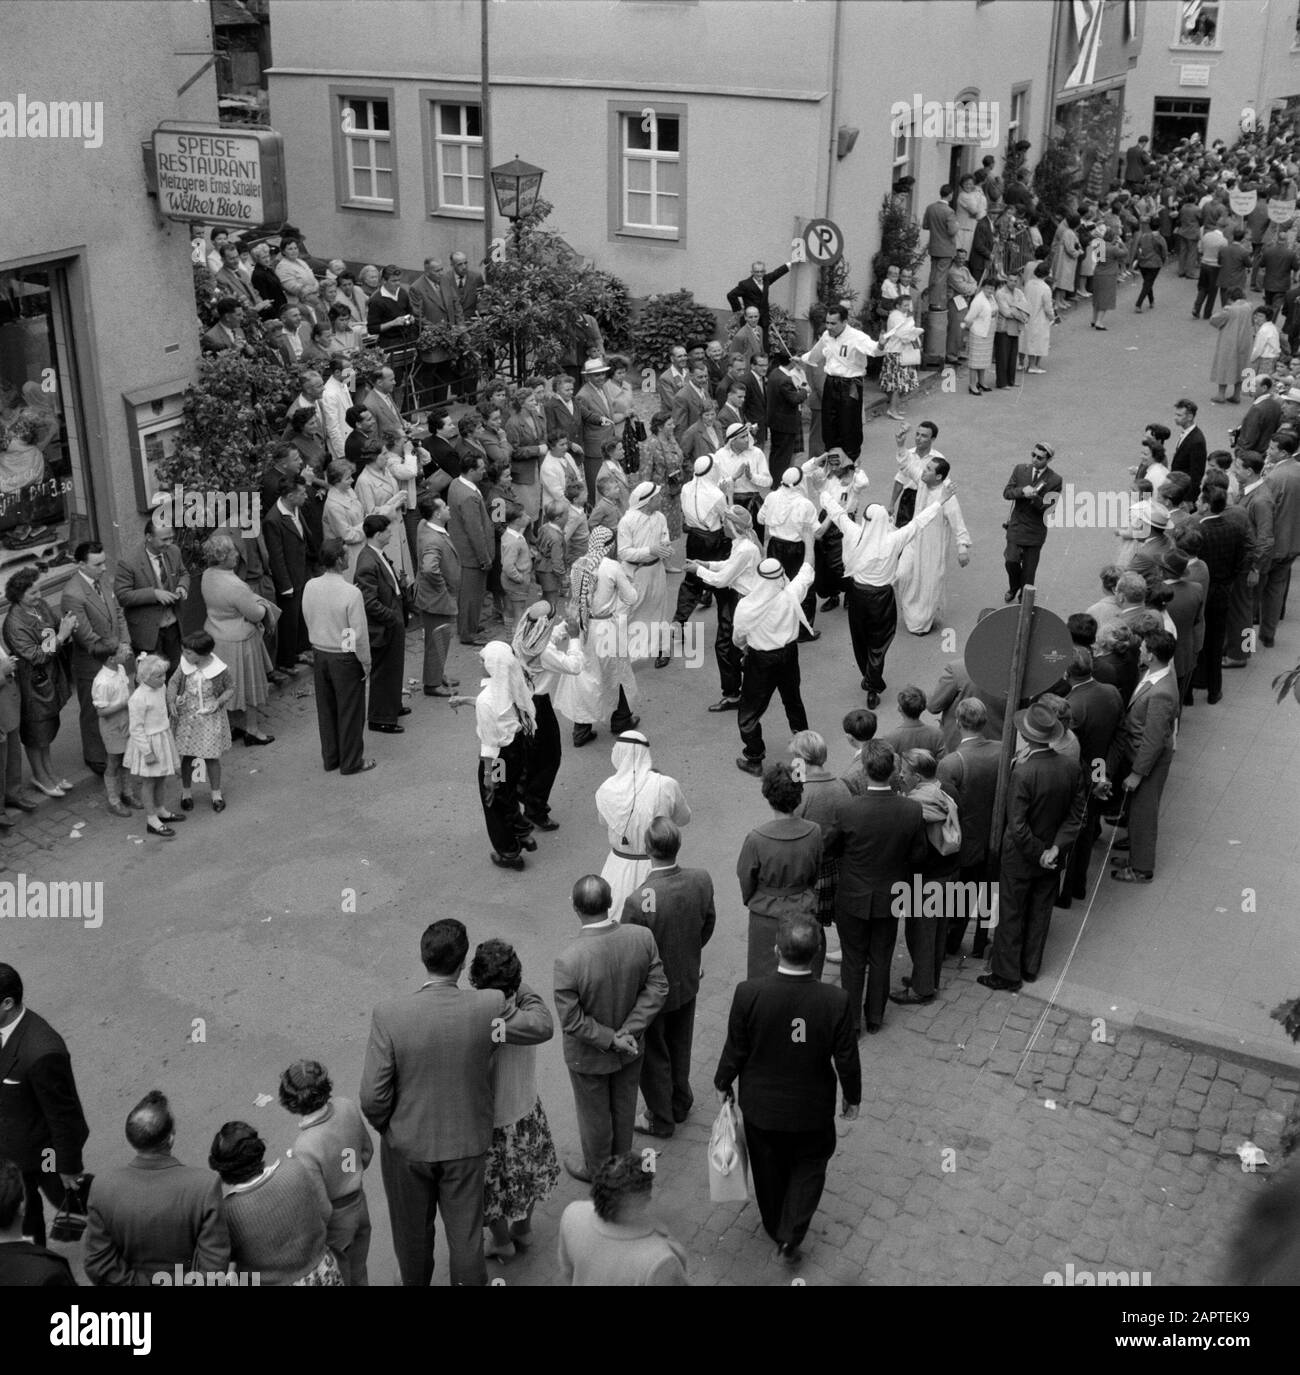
(218, 175)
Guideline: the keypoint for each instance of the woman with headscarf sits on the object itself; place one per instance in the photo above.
(542, 646)
(627, 803)
(504, 719)
(601, 591)
(643, 548)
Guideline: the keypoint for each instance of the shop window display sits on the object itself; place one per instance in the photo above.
(44, 491)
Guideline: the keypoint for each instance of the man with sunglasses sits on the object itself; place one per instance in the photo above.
(1033, 489)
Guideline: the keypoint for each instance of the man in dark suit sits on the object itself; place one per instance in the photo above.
(1187, 611)
(150, 585)
(376, 580)
(1261, 421)
(787, 1080)
(464, 282)
(882, 842)
(1225, 534)
(293, 556)
(99, 636)
(609, 986)
(434, 303)
(952, 689)
(427, 1090)
(787, 391)
(970, 772)
(24, 1264)
(737, 374)
(715, 363)
(154, 1214)
(40, 1113)
(1044, 814)
(676, 906)
(753, 291)
(1189, 448)
(470, 529)
(437, 586)
(754, 411)
(1033, 489)
(1141, 756)
(940, 223)
(1096, 709)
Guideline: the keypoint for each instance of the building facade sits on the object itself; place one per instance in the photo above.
(1206, 62)
(680, 140)
(98, 336)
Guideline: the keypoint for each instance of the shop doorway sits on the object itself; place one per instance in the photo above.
(1177, 118)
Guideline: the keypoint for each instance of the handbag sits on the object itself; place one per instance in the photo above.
(70, 1221)
(728, 1157)
(910, 357)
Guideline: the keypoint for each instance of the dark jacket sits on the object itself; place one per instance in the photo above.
(751, 293)
(378, 590)
(151, 1215)
(1044, 804)
(1027, 525)
(24, 1265)
(39, 1106)
(1095, 712)
(881, 842)
(135, 585)
(1187, 611)
(676, 906)
(970, 774)
(778, 867)
(788, 1083)
(784, 403)
(290, 553)
(1189, 457)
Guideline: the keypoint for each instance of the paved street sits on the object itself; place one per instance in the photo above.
(235, 949)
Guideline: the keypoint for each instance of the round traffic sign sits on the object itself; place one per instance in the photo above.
(824, 241)
(992, 642)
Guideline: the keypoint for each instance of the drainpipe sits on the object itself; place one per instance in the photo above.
(835, 105)
(485, 122)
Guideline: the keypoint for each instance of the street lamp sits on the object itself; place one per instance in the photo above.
(516, 186)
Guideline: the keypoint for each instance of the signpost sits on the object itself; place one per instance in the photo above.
(1028, 649)
(217, 175)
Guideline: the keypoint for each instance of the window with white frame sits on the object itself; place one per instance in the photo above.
(1198, 24)
(1016, 117)
(902, 159)
(367, 152)
(458, 156)
(652, 174)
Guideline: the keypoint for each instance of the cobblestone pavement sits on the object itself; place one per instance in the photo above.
(959, 1172)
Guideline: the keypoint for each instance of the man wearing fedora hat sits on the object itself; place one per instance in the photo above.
(1033, 489)
(766, 626)
(730, 579)
(1045, 804)
(597, 413)
(1149, 551)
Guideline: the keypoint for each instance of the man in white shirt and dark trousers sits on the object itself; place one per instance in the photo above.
(843, 352)
(335, 613)
(789, 518)
(872, 550)
(731, 578)
(766, 627)
(704, 504)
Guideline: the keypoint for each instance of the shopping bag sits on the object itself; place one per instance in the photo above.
(728, 1159)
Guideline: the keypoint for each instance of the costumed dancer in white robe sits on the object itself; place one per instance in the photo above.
(923, 565)
(601, 593)
(628, 802)
(644, 546)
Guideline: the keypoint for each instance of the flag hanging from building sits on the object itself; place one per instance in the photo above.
(1087, 27)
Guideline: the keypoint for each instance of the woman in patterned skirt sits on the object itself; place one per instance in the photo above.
(522, 1167)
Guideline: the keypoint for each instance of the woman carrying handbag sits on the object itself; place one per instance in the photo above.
(902, 345)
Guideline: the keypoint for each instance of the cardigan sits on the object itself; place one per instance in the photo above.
(277, 1223)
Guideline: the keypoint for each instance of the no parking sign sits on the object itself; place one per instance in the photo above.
(823, 242)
